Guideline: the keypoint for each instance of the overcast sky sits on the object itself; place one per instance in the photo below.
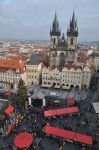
(31, 19)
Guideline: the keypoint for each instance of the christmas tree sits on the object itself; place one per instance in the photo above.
(21, 93)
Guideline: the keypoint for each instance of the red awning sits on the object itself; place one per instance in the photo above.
(23, 140)
(85, 139)
(55, 112)
(9, 110)
(59, 132)
(8, 93)
(71, 101)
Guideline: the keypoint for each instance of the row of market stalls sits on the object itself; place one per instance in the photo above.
(8, 119)
(24, 139)
(67, 134)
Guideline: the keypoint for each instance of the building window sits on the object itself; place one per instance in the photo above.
(54, 41)
(71, 41)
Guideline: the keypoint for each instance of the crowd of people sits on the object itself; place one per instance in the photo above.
(32, 120)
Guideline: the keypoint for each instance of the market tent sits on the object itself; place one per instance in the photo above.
(23, 140)
(8, 94)
(59, 132)
(62, 111)
(9, 110)
(82, 138)
(71, 101)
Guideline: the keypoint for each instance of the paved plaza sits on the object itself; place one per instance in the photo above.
(73, 93)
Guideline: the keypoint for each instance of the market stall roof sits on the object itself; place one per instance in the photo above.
(71, 101)
(62, 111)
(8, 93)
(59, 132)
(85, 139)
(23, 140)
(9, 110)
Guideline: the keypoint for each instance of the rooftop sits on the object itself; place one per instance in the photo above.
(11, 64)
(34, 60)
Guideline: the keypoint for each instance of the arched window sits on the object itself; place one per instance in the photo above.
(71, 41)
(62, 60)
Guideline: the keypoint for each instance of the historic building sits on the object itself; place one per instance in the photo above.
(10, 73)
(64, 71)
(70, 76)
(62, 50)
(33, 70)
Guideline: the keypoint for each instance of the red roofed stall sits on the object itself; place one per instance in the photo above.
(71, 101)
(84, 139)
(62, 111)
(9, 94)
(23, 140)
(9, 110)
(59, 132)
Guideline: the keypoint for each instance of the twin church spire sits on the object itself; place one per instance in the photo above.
(71, 31)
(62, 50)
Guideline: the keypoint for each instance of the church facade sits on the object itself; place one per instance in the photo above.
(63, 50)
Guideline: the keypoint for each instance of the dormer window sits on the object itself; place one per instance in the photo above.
(17, 70)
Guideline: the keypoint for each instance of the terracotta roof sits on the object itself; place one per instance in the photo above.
(24, 59)
(82, 57)
(11, 64)
(70, 66)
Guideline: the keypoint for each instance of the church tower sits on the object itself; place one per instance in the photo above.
(54, 40)
(72, 33)
(55, 33)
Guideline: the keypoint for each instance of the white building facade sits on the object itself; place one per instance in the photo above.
(10, 73)
(67, 78)
(33, 74)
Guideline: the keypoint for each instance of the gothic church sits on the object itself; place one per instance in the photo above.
(62, 50)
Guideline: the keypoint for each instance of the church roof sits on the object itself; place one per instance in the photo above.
(34, 59)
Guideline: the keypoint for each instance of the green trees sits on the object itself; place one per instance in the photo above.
(21, 93)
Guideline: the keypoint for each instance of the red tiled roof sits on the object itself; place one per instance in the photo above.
(82, 57)
(11, 64)
(70, 66)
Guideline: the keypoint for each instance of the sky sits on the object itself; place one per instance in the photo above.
(32, 19)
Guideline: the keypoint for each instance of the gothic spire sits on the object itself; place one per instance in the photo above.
(55, 27)
(73, 29)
